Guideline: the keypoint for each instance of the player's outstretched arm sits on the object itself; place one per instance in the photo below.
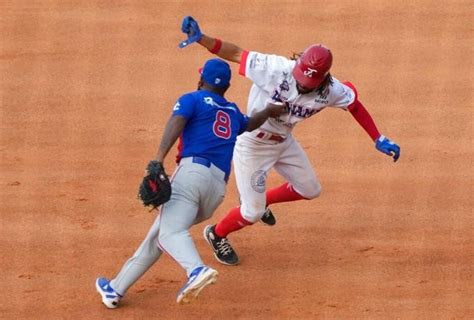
(273, 110)
(223, 49)
(382, 144)
(362, 116)
(173, 130)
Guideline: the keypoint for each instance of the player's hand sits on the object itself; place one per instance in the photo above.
(191, 28)
(276, 109)
(387, 146)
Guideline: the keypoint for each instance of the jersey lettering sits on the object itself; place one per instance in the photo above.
(276, 96)
(301, 111)
(221, 125)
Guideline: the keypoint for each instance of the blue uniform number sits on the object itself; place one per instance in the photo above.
(221, 126)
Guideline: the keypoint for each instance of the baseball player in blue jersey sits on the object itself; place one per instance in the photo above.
(208, 125)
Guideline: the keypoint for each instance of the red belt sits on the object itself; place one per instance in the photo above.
(269, 136)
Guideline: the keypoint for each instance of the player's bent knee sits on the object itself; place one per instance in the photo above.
(252, 216)
(164, 237)
(313, 193)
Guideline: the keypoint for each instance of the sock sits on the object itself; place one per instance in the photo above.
(283, 193)
(233, 221)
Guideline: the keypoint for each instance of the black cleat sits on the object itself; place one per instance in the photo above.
(268, 218)
(223, 251)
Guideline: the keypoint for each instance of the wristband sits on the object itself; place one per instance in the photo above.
(217, 46)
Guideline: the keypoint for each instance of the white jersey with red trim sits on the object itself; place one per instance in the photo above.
(272, 80)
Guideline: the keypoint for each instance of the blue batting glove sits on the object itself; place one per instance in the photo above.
(387, 146)
(191, 28)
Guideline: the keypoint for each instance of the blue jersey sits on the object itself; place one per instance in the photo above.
(212, 127)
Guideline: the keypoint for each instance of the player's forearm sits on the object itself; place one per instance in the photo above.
(257, 119)
(272, 110)
(173, 130)
(223, 49)
(363, 117)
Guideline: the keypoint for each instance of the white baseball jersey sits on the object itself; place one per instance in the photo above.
(272, 80)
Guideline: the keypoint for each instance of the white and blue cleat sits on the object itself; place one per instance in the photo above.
(110, 298)
(200, 278)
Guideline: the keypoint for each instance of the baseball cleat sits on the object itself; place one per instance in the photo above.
(200, 278)
(268, 218)
(110, 298)
(223, 251)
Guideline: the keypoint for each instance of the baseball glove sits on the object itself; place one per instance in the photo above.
(155, 188)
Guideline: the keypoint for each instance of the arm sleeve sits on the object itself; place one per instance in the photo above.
(363, 117)
(185, 106)
(360, 113)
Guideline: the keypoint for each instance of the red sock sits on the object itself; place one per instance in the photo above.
(283, 193)
(233, 221)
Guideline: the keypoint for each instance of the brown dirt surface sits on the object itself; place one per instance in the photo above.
(87, 86)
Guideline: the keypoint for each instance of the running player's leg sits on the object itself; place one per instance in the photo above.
(145, 256)
(179, 214)
(295, 167)
(193, 193)
(193, 189)
(148, 252)
(252, 162)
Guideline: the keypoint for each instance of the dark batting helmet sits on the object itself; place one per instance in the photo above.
(313, 66)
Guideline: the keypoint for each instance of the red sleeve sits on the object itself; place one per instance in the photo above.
(361, 114)
(243, 62)
(363, 117)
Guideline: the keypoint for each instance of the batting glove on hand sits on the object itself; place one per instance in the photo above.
(191, 28)
(387, 146)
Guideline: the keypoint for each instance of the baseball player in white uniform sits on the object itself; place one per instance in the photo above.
(306, 86)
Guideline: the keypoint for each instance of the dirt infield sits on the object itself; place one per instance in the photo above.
(86, 87)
